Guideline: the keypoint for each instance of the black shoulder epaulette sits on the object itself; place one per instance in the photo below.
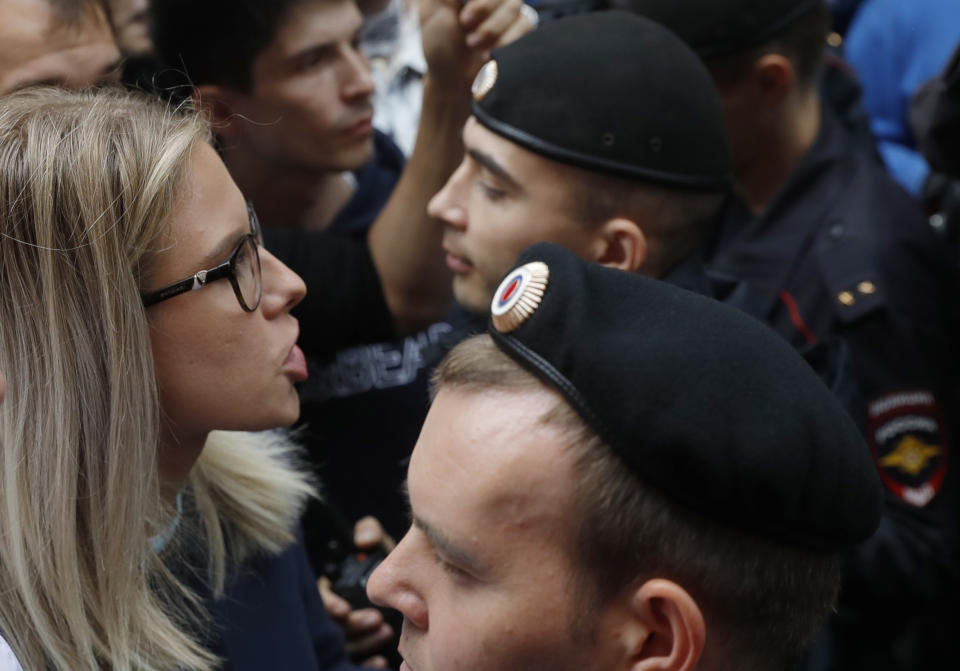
(848, 265)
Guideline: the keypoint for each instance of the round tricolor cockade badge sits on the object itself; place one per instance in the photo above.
(519, 296)
(484, 81)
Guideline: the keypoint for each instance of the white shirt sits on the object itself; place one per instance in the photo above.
(391, 40)
(8, 661)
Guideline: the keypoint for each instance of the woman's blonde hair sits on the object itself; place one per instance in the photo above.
(88, 183)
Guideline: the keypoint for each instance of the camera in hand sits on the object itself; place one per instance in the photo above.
(350, 570)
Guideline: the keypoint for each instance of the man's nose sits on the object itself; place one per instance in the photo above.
(446, 204)
(358, 80)
(392, 584)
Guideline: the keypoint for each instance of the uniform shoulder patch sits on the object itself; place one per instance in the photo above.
(848, 268)
(907, 438)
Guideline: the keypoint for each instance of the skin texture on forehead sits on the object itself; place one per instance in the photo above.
(306, 25)
(36, 48)
(505, 471)
(488, 478)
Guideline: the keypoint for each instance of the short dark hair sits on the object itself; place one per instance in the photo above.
(803, 42)
(675, 219)
(215, 41)
(763, 601)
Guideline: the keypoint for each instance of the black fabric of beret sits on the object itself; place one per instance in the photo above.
(703, 403)
(717, 28)
(611, 92)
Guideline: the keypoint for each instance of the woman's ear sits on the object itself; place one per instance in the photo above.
(621, 244)
(669, 629)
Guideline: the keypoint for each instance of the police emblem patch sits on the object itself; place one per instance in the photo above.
(484, 81)
(519, 296)
(908, 442)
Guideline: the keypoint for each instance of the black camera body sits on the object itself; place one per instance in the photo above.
(349, 578)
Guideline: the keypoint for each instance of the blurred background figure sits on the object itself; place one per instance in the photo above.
(391, 39)
(55, 42)
(935, 117)
(895, 47)
(131, 25)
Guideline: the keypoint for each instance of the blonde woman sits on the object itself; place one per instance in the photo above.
(143, 333)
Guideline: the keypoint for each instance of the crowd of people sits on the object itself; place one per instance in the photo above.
(632, 321)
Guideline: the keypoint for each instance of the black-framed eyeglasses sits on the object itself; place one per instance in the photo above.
(242, 269)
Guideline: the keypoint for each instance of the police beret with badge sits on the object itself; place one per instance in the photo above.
(721, 28)
(608, 92)
(701, 402)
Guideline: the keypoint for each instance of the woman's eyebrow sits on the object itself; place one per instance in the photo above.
(226, 246)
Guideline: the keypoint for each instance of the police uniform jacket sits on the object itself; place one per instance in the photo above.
(843, 251)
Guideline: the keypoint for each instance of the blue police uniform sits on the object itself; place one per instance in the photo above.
(843, 251)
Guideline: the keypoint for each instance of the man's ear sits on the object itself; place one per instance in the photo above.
(222, 105)
(774, 78)
(667, 631)
(621, 244)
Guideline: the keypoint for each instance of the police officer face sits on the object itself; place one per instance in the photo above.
(501, 199)
(36, 48)
(483, 578)
(310, 105)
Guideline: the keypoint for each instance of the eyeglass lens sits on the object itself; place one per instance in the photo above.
(247, 271)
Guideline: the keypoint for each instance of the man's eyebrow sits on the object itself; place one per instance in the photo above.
(450, 550)
(493, 167)
(311, 50)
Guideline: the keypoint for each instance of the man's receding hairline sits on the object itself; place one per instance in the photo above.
(478, 366)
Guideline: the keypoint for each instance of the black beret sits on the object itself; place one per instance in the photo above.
(701, 402)
(717, 28)
(609, 92)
